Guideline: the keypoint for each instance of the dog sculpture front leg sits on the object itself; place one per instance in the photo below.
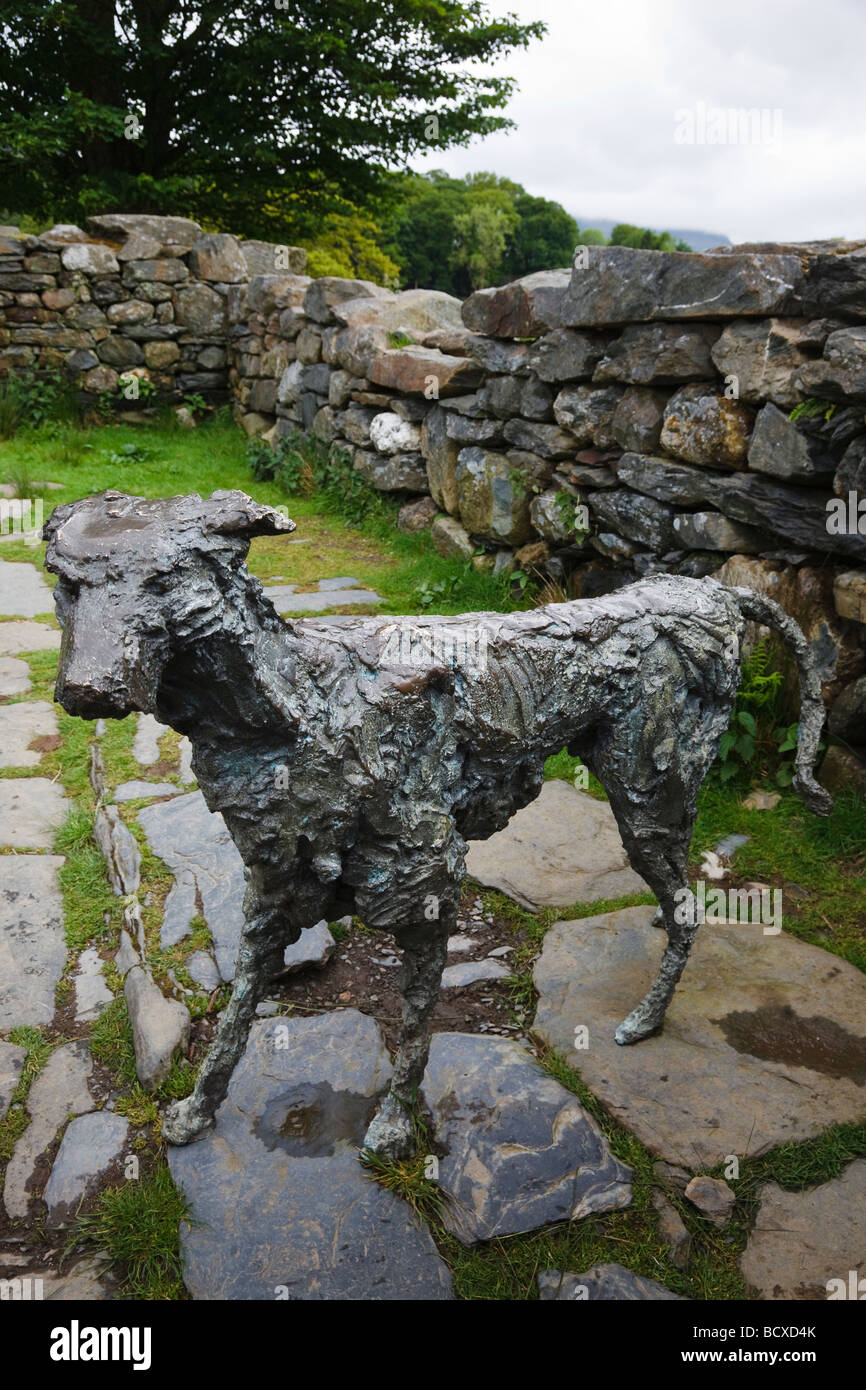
(424, 951)
(259, 959)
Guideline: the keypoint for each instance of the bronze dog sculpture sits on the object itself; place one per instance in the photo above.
(350, 774)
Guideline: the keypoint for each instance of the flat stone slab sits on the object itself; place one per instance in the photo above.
(803, 1241)
(19, 725)
(23, 591)
(32, 946)
(602, 1282)
(565, 848)
(286, 1208)
(202, 967)
(314, 947)
(764, 1041)
(80, 1282)
(91, 990)
(470, 972)
(91, 1146)
(521, 1150)
(145, 744)
(286, 600)
(60, 1090)
(28, 637)
(12, 1060)
(31, 809)
(208, 869)
(132, 791)
(14, 676)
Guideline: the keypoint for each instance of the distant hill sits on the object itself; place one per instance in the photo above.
(699, 241)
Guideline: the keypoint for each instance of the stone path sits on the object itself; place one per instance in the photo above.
(286, 1209)
(23, 590)
(808, 1245)
(564, 848)
(602, 1282)
(764, 1042)
(328, 593)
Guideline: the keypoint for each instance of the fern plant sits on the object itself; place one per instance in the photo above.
(756, 744)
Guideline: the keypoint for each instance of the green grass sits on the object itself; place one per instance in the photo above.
(138, 1226)
(213, 456)
(16, 1119)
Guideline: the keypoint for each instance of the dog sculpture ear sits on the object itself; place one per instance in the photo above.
(235, 514)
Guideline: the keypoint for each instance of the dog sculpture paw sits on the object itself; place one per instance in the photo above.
(184, 1122)
(390, 1133)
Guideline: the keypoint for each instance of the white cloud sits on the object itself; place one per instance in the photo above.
(598, 97)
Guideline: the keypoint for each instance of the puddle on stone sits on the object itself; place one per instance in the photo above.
(315, 1121)
(775, 1033)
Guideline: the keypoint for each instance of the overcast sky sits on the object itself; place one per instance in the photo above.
(601, 97)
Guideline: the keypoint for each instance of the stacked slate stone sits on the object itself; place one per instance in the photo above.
(657, 390)
(137, 295)
(329, 344)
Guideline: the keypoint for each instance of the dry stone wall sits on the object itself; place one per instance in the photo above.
(135, 297)
(626, 415)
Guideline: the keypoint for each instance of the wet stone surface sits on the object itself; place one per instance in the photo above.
(745, 1062)
(287, 1209)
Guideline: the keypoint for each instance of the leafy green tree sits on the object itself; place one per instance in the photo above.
(545, 237)
(591, 236)
(624, 234)
(256, 116)
(349, 245)
(481, 231)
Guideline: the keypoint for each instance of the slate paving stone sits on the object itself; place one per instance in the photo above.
(28, 637)
(132, 791)
(145, 744)
(208, 870)
(91, 990)
(23, 590)
(91, 1145)
(521, 1151)
(764, 1041)
(801, 1241)
(19, 725)
(32, 945)
(471, 972)
(286, 600)
(12, 1060)
(602, 1282)
(31, 809)
(14, 676)
(87, 1280)
(202, 967)
(314, 947)
(286, 1209)
(564, 848)
(58, 1091)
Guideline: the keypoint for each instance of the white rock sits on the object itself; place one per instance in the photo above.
(389, 434)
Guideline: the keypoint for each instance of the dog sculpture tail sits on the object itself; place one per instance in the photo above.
(812, 712)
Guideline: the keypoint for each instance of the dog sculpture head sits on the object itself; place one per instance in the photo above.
(134, 574)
